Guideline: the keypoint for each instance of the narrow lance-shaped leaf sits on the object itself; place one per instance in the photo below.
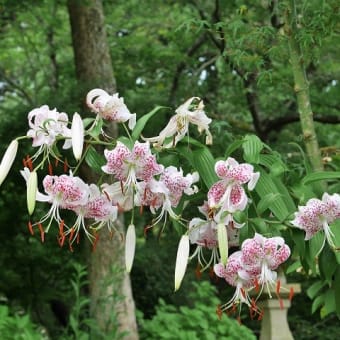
(181, 260)
(32, 187)
(222, 237)
(8, 159)
(77, 130)
(204, 163)
(137, 130)
(130, 246)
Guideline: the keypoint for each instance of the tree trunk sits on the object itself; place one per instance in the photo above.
(301, 87)
(112, 305)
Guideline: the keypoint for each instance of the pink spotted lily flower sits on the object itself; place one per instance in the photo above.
(317, 215)
(129, 166)
(110, 108)
(203, 233)
(166, 192)
(255, 264)
(178, 125)
(45, 127)
(228, 195)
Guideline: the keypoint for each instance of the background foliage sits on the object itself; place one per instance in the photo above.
(231, 54)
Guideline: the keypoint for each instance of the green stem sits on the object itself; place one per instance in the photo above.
(301, 87)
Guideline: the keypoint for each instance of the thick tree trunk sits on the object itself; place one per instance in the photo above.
(112, 304)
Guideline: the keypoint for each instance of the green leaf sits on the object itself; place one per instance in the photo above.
(321, 176)
(204, 163)
(329, 306)
(315, 245)
(314, 289)
(94, 160)
(299, 240)
(252, 146)
(327, 263)
(293, 267)
(141, 122)
(304, 157)
(266, 201)
(96, 130)
(87, 121)
(337, 291)
(266, 186)
(233, 146)
(317, 303)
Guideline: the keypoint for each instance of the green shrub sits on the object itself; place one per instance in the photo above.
(190, 323)
(18, 327)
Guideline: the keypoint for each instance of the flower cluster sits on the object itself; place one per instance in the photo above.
(178, 125)
(317, 215)
(226, 197)
(144, 182)
(72, 193)
(254, 266)
(46, 126)
(138, 180)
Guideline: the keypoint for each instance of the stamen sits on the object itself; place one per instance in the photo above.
(146, 229)
(29, 163)
(95, 242)
(198, 272)
(219, 312)
(50, 169)
(71, 235)
(42, 233)
(239, 320)
(30, 227)
(257, 286)
(281, 303)
(61, 228)
(56, 163)
(291, 293)
(61, 240)
(260, 315)
(66, 165)
(243, 293)
(78, 238)
(278, 286)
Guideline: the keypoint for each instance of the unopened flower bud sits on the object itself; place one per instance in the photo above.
(77, 130)
(222, 237)
(181, 260)
(32, 187)
(130, 245)
(8, 159)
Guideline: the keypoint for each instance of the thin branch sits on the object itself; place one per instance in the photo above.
(279, 123)
(181, 66)
(15, 87)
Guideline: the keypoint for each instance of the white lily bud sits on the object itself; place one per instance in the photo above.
(77, 130)
(181, 260)
(222, 237)
(8, 159)
(32, 187)
(130, 245)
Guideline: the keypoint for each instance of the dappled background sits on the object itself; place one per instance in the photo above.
(233, 55)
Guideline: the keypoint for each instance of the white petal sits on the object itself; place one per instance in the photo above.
(181, 260)
(130, 245)
(8, 159)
